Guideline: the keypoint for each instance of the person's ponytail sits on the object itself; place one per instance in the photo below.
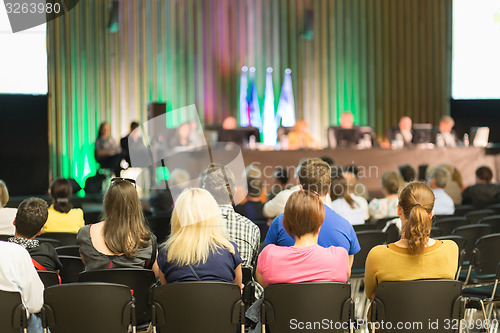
(416, 200)
(417, 229)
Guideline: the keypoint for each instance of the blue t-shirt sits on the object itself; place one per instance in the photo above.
(219, 267)
(335, 231)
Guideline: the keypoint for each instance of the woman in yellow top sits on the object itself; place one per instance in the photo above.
(62, 216)
(415, 256)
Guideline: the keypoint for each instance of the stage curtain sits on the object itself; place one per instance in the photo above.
(380, 59)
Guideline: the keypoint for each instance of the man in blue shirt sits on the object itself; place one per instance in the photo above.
(314, 175)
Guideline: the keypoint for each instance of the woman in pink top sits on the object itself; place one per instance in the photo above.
(306, 261)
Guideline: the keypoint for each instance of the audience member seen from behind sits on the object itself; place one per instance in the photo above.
(407, 173)
(315, 176)
(280, 182)
(198, 248)
(388, 206)
(17, 274)
(351, 175)
(305, 261)
(219, 180)
(107, 151)
(7, 214)
(122, 240)
(344, 204)
(415, 256)
(30, 218)
(454, 185)
(443, 204)
(62, 216)
(300, 138)
(276, 205)
(483, 193)
(252, 208)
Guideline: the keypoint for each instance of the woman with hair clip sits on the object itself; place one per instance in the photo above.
(415, 256)
(62, 216)
(198, 248)
(122, 240)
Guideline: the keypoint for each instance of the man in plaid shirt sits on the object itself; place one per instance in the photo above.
(221, 183)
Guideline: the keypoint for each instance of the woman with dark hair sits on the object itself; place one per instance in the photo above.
(122, 240)
(415, 256)
(62, 216)
(107, 151)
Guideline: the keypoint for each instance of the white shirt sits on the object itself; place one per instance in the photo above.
(386, 207)
(276, 205)
(7, 216)
(443, 204)
(17, 273)
(353, 215)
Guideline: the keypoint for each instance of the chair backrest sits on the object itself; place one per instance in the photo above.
(474, 216)
(141, 281)
(367, 240)
(5, 238)
(457, 239)
(289, 304)
(486, 254)
(417, 304)
(54, 242)
(471, 234)
(48, 278)
(495, 207)
(436, 232)
(12, 312)
(88, 307)
(448, 224)
(461, 210)
(364, 227)
(68, 250)
(66, 238)
(383, 221)
(393, 233)
(493, 221)
(72, 266)
(193, 307)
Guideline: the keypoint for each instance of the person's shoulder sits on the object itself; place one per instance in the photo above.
(377, 251)
(450, 245)
(12, 249)
(335, 250)
(333, 218)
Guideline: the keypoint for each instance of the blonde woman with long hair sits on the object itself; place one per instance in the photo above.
(122, 240)
(198, 248)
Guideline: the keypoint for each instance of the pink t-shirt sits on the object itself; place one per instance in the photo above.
(281, 264)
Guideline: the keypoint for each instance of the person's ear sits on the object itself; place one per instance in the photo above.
(431, 214)
(39, 232)
(14, 222)
(400, 210)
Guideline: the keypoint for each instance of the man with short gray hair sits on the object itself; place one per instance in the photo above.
(219, 180)
(443, 203)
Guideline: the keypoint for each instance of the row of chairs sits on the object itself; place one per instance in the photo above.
(217, 307)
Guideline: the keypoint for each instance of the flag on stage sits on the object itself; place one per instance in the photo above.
(286, 105)
(269, 127)
(244, 121)
(253, 103)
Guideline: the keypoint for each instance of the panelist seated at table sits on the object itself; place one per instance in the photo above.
(403, 131)
(300, 138)
(444, 135)
(346, 134)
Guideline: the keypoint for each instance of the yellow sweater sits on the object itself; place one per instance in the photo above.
(394, 263)
(64, 222)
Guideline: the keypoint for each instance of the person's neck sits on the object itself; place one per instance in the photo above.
(403, 242)
(323, 199)
(253, 199)
(306, 240)
(21, 236)
(391, 196)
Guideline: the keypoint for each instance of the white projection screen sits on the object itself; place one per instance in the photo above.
(23, 59)
(476, 49)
